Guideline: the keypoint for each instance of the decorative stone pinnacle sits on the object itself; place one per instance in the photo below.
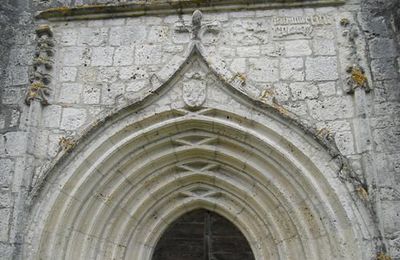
(42, 64)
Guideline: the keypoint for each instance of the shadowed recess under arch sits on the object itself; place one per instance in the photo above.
(202, 234)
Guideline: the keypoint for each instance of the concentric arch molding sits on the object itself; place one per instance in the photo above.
(164, 7)
(132, 174)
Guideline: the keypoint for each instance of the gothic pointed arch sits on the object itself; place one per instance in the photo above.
(198, 141)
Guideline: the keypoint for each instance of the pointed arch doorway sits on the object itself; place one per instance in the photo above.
(202, 235)
(198, 142)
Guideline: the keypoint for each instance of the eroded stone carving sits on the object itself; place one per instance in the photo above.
(42, 64)
(194, 90)
(356, 75)
(356, 79)
(297, 25)
(197, 28)
(67, 143)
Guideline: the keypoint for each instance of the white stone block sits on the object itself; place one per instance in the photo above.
(327, 88)
(292, 69)
(264, 69)
(127, 35)
(297, 48)
(73, 118)
(70, 93)
(51, 116)
(158, 34)
(73, 56)
(6, 171)
(321, 68)
(123, 56)
(68, 74)
(92, 36)
(303, 90)
(324, 47)
(248, 51)
(102, 56)
(331, 108)
(148, 54)
(15, 143)
(91, 94)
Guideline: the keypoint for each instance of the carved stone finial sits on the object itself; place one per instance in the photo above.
(196, 23)
(197, 28)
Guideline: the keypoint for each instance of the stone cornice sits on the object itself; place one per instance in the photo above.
(164, 7)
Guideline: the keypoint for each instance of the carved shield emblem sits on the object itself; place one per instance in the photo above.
(194, 93)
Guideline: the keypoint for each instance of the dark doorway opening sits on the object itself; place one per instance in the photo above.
(202, 235)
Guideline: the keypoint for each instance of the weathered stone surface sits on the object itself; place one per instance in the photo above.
(68, 74)
(70, 93)
(73, 118)
(304, 90)
(102, 56)
(103, 64)
(123, 56)
(292, 69)
(264, 69)
(147, 54)
(331, 109)
(6, 169)
(297, 48)
(52, 116)
(321, 68)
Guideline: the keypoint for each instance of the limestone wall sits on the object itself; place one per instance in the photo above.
(336, 68)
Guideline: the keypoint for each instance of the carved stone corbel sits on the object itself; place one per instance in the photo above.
(42, 64)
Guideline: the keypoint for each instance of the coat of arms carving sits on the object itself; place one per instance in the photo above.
(194, 91)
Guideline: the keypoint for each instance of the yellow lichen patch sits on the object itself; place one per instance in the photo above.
(241, 76)
(281, 109)
(62, 9)
(67, 143)
(362, 193)
(105, 198)
(37, 85)
(34, 89)
(383, 256)
(358, 77)
(323, 132)
(344, 22)
(265, 94)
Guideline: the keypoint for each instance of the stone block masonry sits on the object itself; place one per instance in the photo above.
(295, 58)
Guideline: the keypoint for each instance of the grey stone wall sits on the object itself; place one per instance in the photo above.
(380, 24)
(104, 64)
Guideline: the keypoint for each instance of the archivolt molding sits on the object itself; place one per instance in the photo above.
(277, 180)
(115, 197)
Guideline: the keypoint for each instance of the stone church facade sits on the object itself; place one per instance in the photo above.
(278, 121)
